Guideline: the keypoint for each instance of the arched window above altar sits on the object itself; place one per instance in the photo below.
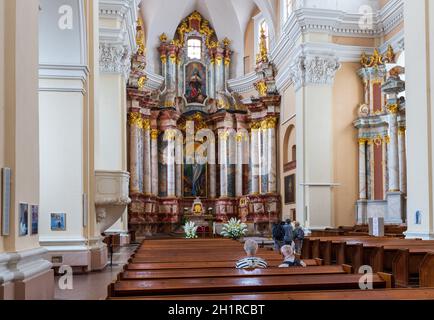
(194, 48)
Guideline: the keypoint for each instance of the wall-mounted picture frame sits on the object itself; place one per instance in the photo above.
(58, 222)
(34, 211)
(290, 189)
(23, 226)
(5, 201)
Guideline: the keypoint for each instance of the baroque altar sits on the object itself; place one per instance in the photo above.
(382, 141)
(193, 139)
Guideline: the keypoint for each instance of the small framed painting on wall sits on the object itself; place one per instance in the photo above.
(58, 222)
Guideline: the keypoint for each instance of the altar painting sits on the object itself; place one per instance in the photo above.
(195, 83)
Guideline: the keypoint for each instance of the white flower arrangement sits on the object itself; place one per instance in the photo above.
(190, 229)
(234, 229)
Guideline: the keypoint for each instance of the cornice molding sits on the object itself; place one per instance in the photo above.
(126, 14)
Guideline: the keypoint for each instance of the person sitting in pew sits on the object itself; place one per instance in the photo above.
(290, 260)
(251, 262)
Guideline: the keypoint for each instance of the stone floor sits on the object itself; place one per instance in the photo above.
(93, 286)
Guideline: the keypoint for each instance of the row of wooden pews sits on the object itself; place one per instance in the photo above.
(204, 269)
(405, 259)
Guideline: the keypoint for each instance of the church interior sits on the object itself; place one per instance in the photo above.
(195, 127)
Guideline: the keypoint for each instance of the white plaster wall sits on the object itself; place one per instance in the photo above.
(419, 28)
(61, 136)
(110, 133)
(2, 100)
(318, 153)
(58, 46)
(22, 113)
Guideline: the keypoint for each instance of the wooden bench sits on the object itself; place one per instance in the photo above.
(378, 294)
(230, 272)
(242, 284)
(201, 265)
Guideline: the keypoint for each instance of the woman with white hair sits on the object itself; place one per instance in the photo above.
(290, 260)
(251, 262)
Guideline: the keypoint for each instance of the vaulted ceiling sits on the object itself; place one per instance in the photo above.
(229, 18)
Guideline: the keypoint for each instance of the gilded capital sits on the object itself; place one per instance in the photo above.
(393, 108)
(154, 134)
(135, 120)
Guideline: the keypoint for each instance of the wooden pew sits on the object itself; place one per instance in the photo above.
(240, 284)
(230, 272)
(378, 294)
(203, 265)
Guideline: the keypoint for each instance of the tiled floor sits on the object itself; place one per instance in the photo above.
(93, 286)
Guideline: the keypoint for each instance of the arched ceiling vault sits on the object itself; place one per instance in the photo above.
(229, 18)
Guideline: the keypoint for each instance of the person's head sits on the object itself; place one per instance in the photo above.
(297, 224)
(251, 247)
(287, 251)
(288, 221)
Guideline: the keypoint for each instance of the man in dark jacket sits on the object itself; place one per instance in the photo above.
(278, 235)
(289, 234)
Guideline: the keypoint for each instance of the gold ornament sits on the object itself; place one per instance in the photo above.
(140, 38)
(141, 82)
(262, 88)
(393, 108)
(135, 120)
(154, 134)
(263, 50)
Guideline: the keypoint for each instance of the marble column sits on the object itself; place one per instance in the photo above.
(239, 166)
(402, 160)
(178, 164)
(371, 176)
(393, 155)
(223, 161)
(263, 156)
(154, 162)
(362, 169)
(212, 170)
(170, 156)
(272, 156)
(147, 169)
(135, 122)
(254, 161)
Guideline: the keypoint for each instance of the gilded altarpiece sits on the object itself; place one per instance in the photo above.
(169, 127)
